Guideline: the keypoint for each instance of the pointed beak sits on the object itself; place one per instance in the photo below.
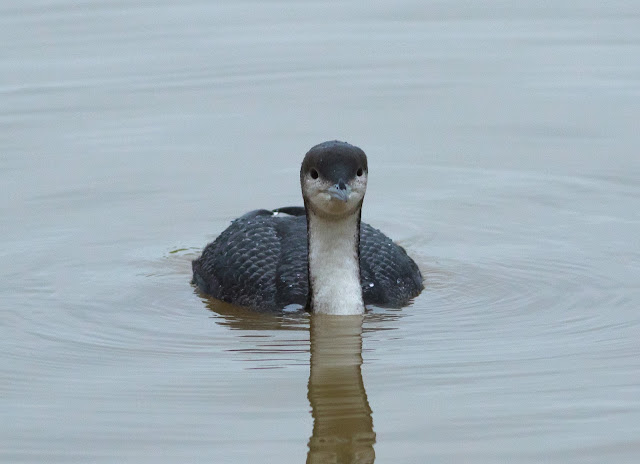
(340, 191)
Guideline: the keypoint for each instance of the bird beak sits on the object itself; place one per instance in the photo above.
(340, 191)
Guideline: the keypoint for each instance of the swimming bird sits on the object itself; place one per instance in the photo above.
(320, 256)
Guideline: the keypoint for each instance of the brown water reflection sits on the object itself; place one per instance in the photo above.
(342, 418)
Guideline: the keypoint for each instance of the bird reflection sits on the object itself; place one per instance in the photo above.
(342, 423)
(342, 420)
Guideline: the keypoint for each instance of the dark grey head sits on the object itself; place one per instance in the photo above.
(333, 178)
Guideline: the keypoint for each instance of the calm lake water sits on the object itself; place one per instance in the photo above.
(503, 142)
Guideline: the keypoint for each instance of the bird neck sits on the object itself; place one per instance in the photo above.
(334, 264)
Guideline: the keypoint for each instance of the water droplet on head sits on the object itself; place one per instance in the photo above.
(371, 284)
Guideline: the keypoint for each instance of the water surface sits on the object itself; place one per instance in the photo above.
(503, 149)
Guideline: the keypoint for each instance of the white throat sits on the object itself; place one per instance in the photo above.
(334, 267)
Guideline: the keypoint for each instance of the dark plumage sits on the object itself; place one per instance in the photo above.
(320, 256)
(260, 261)
(336, 160)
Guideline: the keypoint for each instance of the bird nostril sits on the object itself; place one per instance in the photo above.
(342, 186)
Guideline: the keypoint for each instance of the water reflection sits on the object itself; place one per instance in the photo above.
(342, 418)
(239, 318)
(342, 422)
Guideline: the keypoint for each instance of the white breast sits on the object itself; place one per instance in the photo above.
(334, 269)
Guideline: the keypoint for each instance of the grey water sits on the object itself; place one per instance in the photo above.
(504, 155)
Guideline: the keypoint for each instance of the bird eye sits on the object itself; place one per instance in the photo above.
(314, 174)
(359, 173)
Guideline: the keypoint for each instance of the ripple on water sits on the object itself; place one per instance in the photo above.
(526, 326)
(530, 310)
